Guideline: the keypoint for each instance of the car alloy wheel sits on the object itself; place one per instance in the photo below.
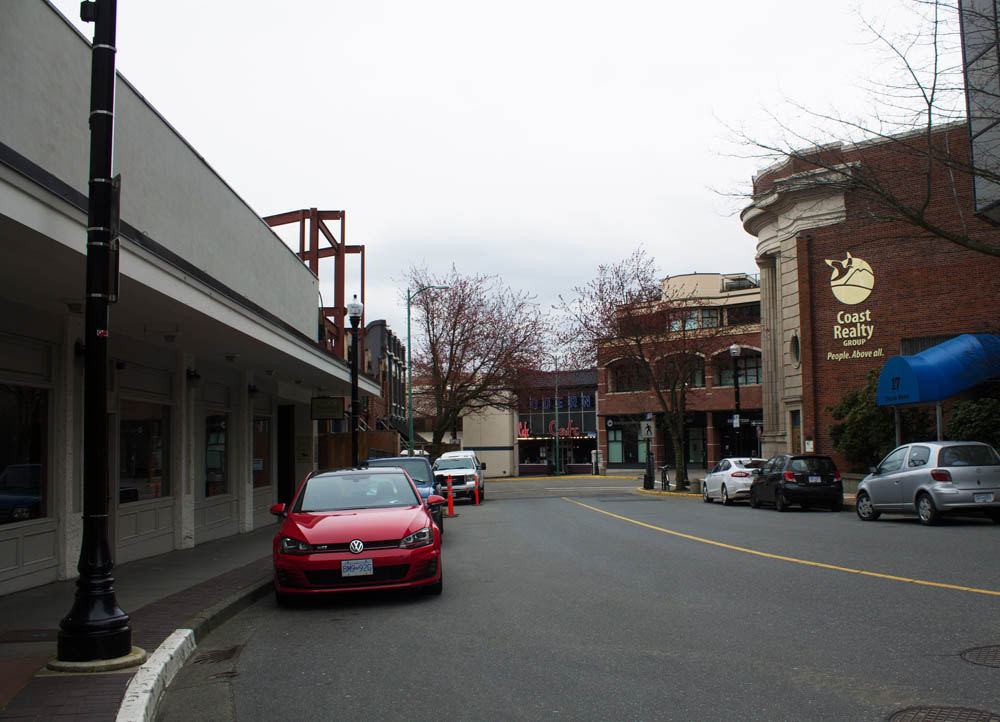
(726, 501)
(779, 501)
(865, 509)
(754, 501)
(928, 512)
(704, 494)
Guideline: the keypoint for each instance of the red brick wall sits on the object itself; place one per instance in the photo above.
(924, 286)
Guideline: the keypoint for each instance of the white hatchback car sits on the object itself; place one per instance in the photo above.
(729, 480)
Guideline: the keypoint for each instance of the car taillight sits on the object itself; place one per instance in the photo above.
(836, 476)
(789, 476)
(740, 474)
(940, 475)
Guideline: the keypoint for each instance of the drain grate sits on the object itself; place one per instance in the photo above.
(213, 656)
(944, 714)
(986, 656)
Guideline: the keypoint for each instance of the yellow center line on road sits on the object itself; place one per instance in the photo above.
(779, 557)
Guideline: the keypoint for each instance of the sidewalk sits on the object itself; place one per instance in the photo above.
(194, 589)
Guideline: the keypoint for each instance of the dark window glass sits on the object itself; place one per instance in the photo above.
(261, 451)
(968, 456)
(23, 433)
(216, 455)
(143, 451)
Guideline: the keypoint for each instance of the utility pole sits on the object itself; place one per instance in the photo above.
(96, 628)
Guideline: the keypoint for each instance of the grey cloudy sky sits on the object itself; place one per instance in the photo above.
(531, 139)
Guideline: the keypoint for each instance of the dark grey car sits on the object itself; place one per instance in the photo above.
(931, 478)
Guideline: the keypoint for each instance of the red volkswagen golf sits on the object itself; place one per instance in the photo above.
(356, 529)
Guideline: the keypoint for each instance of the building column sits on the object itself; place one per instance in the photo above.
(773, 436)
(242, 454)
(712, 440)
(182, 452)
(66, 480)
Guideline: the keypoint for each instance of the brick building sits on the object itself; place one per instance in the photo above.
(846, 282)
(713, 311)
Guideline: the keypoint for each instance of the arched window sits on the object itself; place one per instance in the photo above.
(748, 364)
(626, 376)
(682, 368)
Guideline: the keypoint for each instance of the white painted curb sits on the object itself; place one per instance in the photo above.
(142, 693)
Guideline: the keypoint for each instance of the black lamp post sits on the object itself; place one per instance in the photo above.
(96, 628)
(735, 352)
(354, 311)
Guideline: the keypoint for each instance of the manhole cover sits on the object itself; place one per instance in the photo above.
(986, 656)
(944, 714)
(213, 656)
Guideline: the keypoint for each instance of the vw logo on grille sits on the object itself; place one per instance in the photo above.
(357, 546)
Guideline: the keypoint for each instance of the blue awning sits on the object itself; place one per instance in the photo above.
(939, 372)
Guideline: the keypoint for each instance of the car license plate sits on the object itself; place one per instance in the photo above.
(356, 567)
(982, 498)
(815, 479)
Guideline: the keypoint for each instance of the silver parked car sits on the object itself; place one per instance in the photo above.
(730, 479)
(932, 478)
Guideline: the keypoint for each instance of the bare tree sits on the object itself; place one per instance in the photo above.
(647, 339)
(476, 337)
(910, 166)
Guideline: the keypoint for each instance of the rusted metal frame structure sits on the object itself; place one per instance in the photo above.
(333, 318)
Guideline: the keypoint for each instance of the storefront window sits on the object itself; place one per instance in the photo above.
(23, 433)
(261, 451)
(614, 446)
(144, 451)
(216, 455)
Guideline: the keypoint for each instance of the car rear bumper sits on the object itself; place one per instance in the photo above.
(819, 494)
(320, 573)
(965, 499)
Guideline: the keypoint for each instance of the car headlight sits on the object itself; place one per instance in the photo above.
(420, 538)
(294, 546)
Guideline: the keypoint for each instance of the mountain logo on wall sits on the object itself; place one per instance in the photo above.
(852, 280)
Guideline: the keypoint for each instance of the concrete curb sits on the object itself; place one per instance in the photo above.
(144, 690)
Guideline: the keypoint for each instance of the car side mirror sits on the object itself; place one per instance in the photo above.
(872, 469)
(278, 510)
(483, 466)
(435, 499)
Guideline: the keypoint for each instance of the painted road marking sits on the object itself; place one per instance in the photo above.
(792, 560)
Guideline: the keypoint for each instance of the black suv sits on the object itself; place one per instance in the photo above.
(803, 479)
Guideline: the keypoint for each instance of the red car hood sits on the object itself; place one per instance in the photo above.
(333, 527)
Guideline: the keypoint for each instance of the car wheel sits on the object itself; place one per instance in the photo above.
(779, 501)
(704, 494)
(928, 513)
(440, 522)
(482, 494)
(754, 501)
(865, 509)
(805, 506)
(726, 501)
(837, 505)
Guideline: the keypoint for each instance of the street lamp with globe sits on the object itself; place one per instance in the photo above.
(354, 310)
(734, 352)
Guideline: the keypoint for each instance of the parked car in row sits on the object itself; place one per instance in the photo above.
(465, 472)
(419, 469)
(803, 479)
(356, 529)
(730, 479)
(932, 478)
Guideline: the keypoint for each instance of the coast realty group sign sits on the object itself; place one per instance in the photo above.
(852, 283)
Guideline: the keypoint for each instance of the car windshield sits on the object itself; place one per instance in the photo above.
(445, 464)
(813, 465)
(971, 455)
(752, 464)
(338, 492)
(416, 468)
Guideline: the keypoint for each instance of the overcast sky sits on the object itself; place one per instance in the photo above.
(531, 139)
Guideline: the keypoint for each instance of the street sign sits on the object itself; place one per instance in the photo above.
(647, 430)
(736, 421)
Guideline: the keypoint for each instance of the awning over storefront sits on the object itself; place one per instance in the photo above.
(939, 372)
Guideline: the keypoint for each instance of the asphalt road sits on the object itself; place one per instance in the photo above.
(604, 604)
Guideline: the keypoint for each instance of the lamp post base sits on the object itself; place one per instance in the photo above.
(95, 628)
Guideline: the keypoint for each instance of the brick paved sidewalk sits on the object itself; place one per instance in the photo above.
(96, 697)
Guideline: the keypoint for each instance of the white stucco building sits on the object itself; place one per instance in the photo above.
(214, 346)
